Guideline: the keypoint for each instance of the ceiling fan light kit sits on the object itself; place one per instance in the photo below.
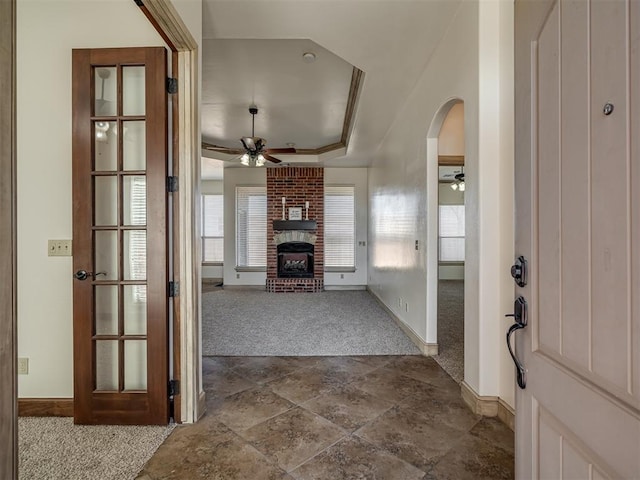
(256, 153)
(459, 183)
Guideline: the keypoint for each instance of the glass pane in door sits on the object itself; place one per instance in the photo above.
(133, 93)
(106, 309)
(135, 364)
(106, 254)
(106, 91)
(106, 146)
(135, 255)
(134, 200)
(135, 309)
(106, 365)
(105, 192)
(134, 149)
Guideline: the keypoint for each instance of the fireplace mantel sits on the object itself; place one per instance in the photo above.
(295, 225)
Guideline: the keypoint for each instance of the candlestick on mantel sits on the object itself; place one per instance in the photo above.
(284, 201)
(306, 206)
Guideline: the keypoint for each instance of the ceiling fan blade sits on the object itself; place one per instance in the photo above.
(281, 150)
(271, 159)
(217, 148)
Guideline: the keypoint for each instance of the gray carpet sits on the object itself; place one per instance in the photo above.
(53, 448)
(451, 328)
(255, 323)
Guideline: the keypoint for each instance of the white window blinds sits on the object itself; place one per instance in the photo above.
(452, 233)
(339, 226)
(212, 228)
(251, 226)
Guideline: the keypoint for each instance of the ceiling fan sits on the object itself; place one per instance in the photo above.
(255, 151)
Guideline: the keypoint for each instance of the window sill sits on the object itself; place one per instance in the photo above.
(339, 269)
(251, 269)
(451, 264)
(212, 264)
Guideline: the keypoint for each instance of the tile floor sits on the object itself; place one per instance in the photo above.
(333, 418)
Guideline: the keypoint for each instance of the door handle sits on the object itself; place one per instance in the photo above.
(83, 274)
(520, 316)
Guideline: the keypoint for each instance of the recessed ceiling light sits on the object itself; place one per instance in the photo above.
(308, 57)
(291, 144)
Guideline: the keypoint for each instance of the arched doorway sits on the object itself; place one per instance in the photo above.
(446, 237)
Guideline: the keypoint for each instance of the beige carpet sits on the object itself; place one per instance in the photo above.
(53, 448)
(333, 323)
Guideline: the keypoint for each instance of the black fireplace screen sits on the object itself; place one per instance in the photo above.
(295, 259)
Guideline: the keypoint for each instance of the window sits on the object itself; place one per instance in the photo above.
(251, 227)
(212, 228)
(339, 227)
(451, 233)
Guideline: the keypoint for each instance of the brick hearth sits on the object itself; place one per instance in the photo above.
(298, 185)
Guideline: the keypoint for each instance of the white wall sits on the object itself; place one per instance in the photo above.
(213, 187)
(358, 178)
(332, 176)
(466, 66)
(451, 137)
(47, 32)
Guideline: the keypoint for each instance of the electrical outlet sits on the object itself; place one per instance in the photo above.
(237, 275)
(59, 248)
(23, 366)
(342, 276)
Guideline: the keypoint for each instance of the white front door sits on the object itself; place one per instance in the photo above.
(578, 224)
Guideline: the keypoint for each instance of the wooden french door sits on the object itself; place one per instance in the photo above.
(578, 225)
(120, 264)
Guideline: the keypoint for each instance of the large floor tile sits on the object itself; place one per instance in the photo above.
(425, 369)
(265, 369)
(342, 369)
(303, 385)
(222, 383)
(389, 385)
(208, 450)
(353, 458)
(494, 431)
(441, 405)
(473, 459)
(292, 438)
(410, 437)
(348, 407)
(245, 409)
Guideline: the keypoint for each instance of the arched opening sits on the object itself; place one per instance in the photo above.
(446, 236)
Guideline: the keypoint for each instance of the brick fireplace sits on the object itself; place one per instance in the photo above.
(295, 252)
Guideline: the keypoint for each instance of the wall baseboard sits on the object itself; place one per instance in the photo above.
(202, 404)
(427, 349)
(45, 407)
(488, 406)
(506, 414)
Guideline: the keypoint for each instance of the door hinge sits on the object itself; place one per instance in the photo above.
(172, 184)
(174, 289)
(174, 388)
(172, 85)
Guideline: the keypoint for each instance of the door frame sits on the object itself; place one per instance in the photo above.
(189, 402)
(8, 322)
(433, 162)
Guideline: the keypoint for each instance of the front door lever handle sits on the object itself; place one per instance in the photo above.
(83, 274)
(520, 316)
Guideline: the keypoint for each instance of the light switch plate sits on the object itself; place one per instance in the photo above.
(23, 366)
(59, 248)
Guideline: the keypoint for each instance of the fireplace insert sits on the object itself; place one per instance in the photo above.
(295, 260)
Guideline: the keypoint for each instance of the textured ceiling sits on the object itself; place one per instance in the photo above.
(391, 41)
